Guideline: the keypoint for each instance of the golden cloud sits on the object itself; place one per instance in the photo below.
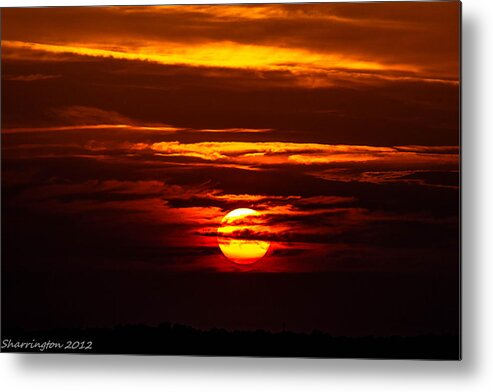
(307, 68)
(303, 153)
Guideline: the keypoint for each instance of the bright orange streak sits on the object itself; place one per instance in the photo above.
(218, 54)
(91, 127)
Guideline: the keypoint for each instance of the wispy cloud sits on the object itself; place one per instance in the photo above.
(430, 178)
(81, 118)
(278, 153)
(30, 77)
(91, 128)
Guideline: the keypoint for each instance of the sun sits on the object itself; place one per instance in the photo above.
(236, 236)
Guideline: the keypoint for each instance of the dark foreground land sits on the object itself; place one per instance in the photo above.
(176, 339)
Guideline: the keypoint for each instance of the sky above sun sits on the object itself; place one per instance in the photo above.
(128, 133)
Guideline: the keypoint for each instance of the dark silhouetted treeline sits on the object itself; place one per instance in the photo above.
(177, 339)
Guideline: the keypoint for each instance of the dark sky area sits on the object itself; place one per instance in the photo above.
(128, 133)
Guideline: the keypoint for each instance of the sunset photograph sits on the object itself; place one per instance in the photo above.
(232, 180)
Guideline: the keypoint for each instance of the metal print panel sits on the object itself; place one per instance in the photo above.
(255, 180)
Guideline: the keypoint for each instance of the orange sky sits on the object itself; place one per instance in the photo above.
(324, 117)
(305, 41)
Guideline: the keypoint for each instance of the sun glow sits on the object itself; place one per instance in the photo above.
(237, 234)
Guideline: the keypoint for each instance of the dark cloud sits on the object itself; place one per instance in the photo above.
(372, 115)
